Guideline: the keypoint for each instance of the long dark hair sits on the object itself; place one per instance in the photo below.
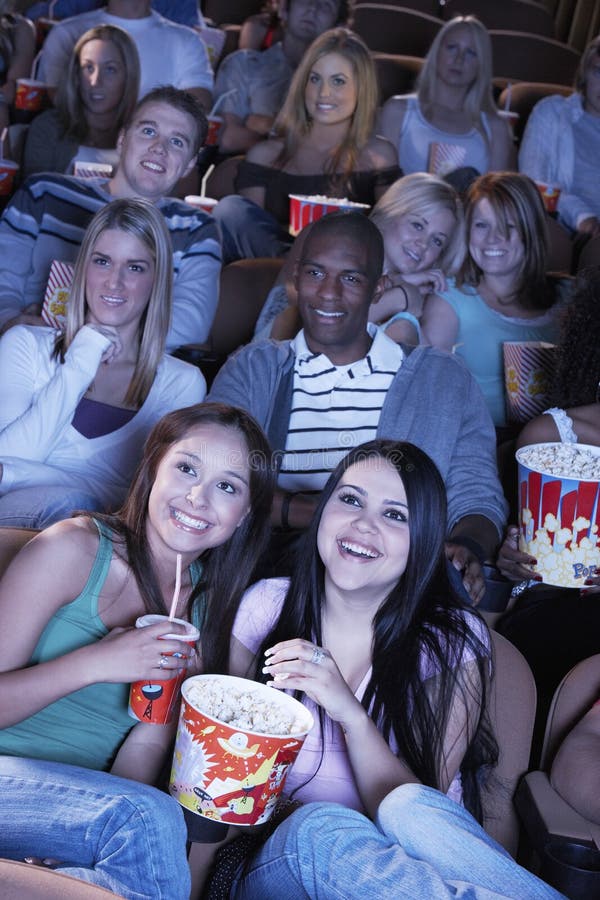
(577, 372)
(227, 569)
(421, 622)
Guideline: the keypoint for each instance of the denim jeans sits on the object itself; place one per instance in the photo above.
(120, 834)
(248, 231)
(38, 507)
(422, 845)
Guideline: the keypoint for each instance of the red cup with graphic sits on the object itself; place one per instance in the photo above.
(8, 173)
(206, 204)
(215, 124)
(550, 195)
(31, 95)
(225, 769)
(154, 701)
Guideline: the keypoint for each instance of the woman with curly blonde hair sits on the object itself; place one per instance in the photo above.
(452, 107)
(323, 144)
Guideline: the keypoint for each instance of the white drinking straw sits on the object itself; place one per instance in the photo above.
(177, 589)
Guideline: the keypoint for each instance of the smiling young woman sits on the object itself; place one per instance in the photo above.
(93, 101)
(77, 405)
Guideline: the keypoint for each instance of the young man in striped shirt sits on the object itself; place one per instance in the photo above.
(47, 217)
(341, 382)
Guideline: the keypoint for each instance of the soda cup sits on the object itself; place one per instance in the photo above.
(154, 701)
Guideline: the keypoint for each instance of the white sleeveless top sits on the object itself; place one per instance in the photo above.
(418, 134)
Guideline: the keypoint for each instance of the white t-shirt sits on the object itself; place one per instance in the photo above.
(169, 53)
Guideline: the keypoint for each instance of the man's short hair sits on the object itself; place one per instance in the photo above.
(354, 225)
(182, 101)
(345, 11)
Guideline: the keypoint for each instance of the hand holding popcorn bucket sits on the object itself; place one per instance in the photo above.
(559, 510)
(235, 743)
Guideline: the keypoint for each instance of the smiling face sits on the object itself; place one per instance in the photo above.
(364, 536)
(101, 76)
(335, 289)
(118, 281)
(201, 491)
(414, 241)
(457, 61)
(493, 250)
(330, 93)
(156, 150)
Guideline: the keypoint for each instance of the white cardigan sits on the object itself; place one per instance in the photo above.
(38, 397)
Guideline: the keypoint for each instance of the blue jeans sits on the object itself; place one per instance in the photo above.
(248, 231)
(422, 845)
(38, 507)
(120, 834)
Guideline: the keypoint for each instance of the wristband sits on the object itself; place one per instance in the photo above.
(285, 509)
(471, 544)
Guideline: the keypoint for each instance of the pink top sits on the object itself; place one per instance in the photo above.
(334, 780)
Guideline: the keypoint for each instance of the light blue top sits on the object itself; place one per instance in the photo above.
(481, 333)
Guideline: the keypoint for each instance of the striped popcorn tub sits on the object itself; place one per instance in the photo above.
(559, 510)
(305, 209)
(528, 368)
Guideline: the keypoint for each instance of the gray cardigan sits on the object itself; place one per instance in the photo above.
(433, 401)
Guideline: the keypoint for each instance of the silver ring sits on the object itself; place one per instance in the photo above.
(163, 661)
(317, 656)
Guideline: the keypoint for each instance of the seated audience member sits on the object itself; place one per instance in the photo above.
(76, 406)
(256, 82)
(561, 145)
(420, 217)
(502, 292)
(169, 53)
(557, 627)
(17, 51)
(453, 112)
(185, 12)
(342, 381)
(76, 769)
(47, 217)
(367, 620)
(575, 771)
(325, 145)
(263, 29)
(93, 102)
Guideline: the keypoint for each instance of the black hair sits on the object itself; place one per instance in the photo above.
(353, 225)
(577, 372)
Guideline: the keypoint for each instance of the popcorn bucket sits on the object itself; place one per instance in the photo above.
(92, 169)
(231, 774)
(528, 370)
(445, 158)
(550, 194)
(31, 95)
(559, 510)
(305, 209)
(56, 295)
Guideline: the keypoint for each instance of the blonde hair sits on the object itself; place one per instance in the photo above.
(592, 49)
(479, 97)
(421, 194)
(293, 122)
(514, 197)
(69, 104)
(144, 221)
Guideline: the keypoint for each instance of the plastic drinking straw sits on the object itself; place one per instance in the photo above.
(219, 101)
(3, 137)
(508, 99)
(177, 589)
(205, 180)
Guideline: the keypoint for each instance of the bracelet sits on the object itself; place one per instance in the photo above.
(405, 292)
(285, 509)
(471, 544)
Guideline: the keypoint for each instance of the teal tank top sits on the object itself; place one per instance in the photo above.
(85, 728)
